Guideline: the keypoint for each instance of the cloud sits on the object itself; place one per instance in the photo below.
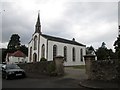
(89, 22)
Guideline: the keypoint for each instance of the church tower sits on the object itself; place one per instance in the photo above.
(38, 25)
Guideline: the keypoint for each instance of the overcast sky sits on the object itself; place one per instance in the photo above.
(90, 23)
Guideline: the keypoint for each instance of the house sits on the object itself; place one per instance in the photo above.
(16, 57)
(42, 45)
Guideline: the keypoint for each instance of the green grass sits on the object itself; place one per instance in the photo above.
(78, 66)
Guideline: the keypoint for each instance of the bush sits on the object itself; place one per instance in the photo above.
(43, 59)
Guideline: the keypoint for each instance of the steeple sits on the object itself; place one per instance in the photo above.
(38, 25)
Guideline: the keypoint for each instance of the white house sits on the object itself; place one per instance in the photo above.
(42, 45)
(16, 57)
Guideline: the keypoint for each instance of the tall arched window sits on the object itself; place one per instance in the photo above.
(43, 51)
(65, 53)
(34, 57)
(30, 54)
(81, 54)
(35, 42)
(54, 51)
(73, 54)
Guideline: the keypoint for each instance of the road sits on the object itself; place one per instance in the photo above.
(71, 79)
(41, 83)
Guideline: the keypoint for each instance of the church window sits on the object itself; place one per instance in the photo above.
(35, 42)
(73, 54)
(34, 57)
(54, 51)
(65, 53)
(30, 53)
(81, 54)
(43, 51)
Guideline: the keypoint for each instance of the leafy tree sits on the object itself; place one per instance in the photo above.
(24, 49)
(117, 51)
(104, 54)
(117, 47)
(14, 43)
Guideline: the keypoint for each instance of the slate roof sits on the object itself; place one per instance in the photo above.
(62, 40)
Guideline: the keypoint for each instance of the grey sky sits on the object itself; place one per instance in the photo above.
(89, 23)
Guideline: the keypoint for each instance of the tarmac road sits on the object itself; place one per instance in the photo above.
(41, 83)
(71, 79)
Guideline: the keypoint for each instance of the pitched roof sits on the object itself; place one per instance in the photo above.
(62, 40)
(18, 54)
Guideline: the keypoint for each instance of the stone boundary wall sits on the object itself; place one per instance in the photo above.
(103, 70)
(106, 70)
(36, 67)
(51, 68)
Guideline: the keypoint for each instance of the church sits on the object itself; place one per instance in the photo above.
(48, 47)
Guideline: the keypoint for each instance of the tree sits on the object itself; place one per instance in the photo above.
(104, 54)
(24, 49)
(14, 43)
(117, 47)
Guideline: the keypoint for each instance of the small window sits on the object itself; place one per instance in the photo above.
(35, 42)
(34, 57)
(54, 51)
(81, 54)
(30, 53)
(65, 53)
(73, 54)
(43, 51)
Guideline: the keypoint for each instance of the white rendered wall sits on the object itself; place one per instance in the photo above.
(13, 59)
(60, 48)
(31, 44)
(42, 41)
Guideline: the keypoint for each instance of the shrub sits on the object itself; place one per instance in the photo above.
(43, 59)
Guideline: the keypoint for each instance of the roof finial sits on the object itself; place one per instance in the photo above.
(38, 25)
(38, 11)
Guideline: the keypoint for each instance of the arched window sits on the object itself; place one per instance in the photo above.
(34, 57)
(65, 53)
(35, 42)
(54, 51)
(81, 54)
(43, 51)
(73, 54)
(30, 54)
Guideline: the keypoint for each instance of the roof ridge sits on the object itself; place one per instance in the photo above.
(62, 40)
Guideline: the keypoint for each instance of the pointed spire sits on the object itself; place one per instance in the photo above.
(38, 25)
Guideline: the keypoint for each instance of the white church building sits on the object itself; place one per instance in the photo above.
(42, 45)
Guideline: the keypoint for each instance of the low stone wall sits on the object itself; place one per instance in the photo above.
(51, 68)
(103, 70)
(37, 68)
(106, 70)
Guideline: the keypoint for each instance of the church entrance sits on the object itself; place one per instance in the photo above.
(34, 57)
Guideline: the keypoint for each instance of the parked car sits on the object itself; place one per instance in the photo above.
(10, 71)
